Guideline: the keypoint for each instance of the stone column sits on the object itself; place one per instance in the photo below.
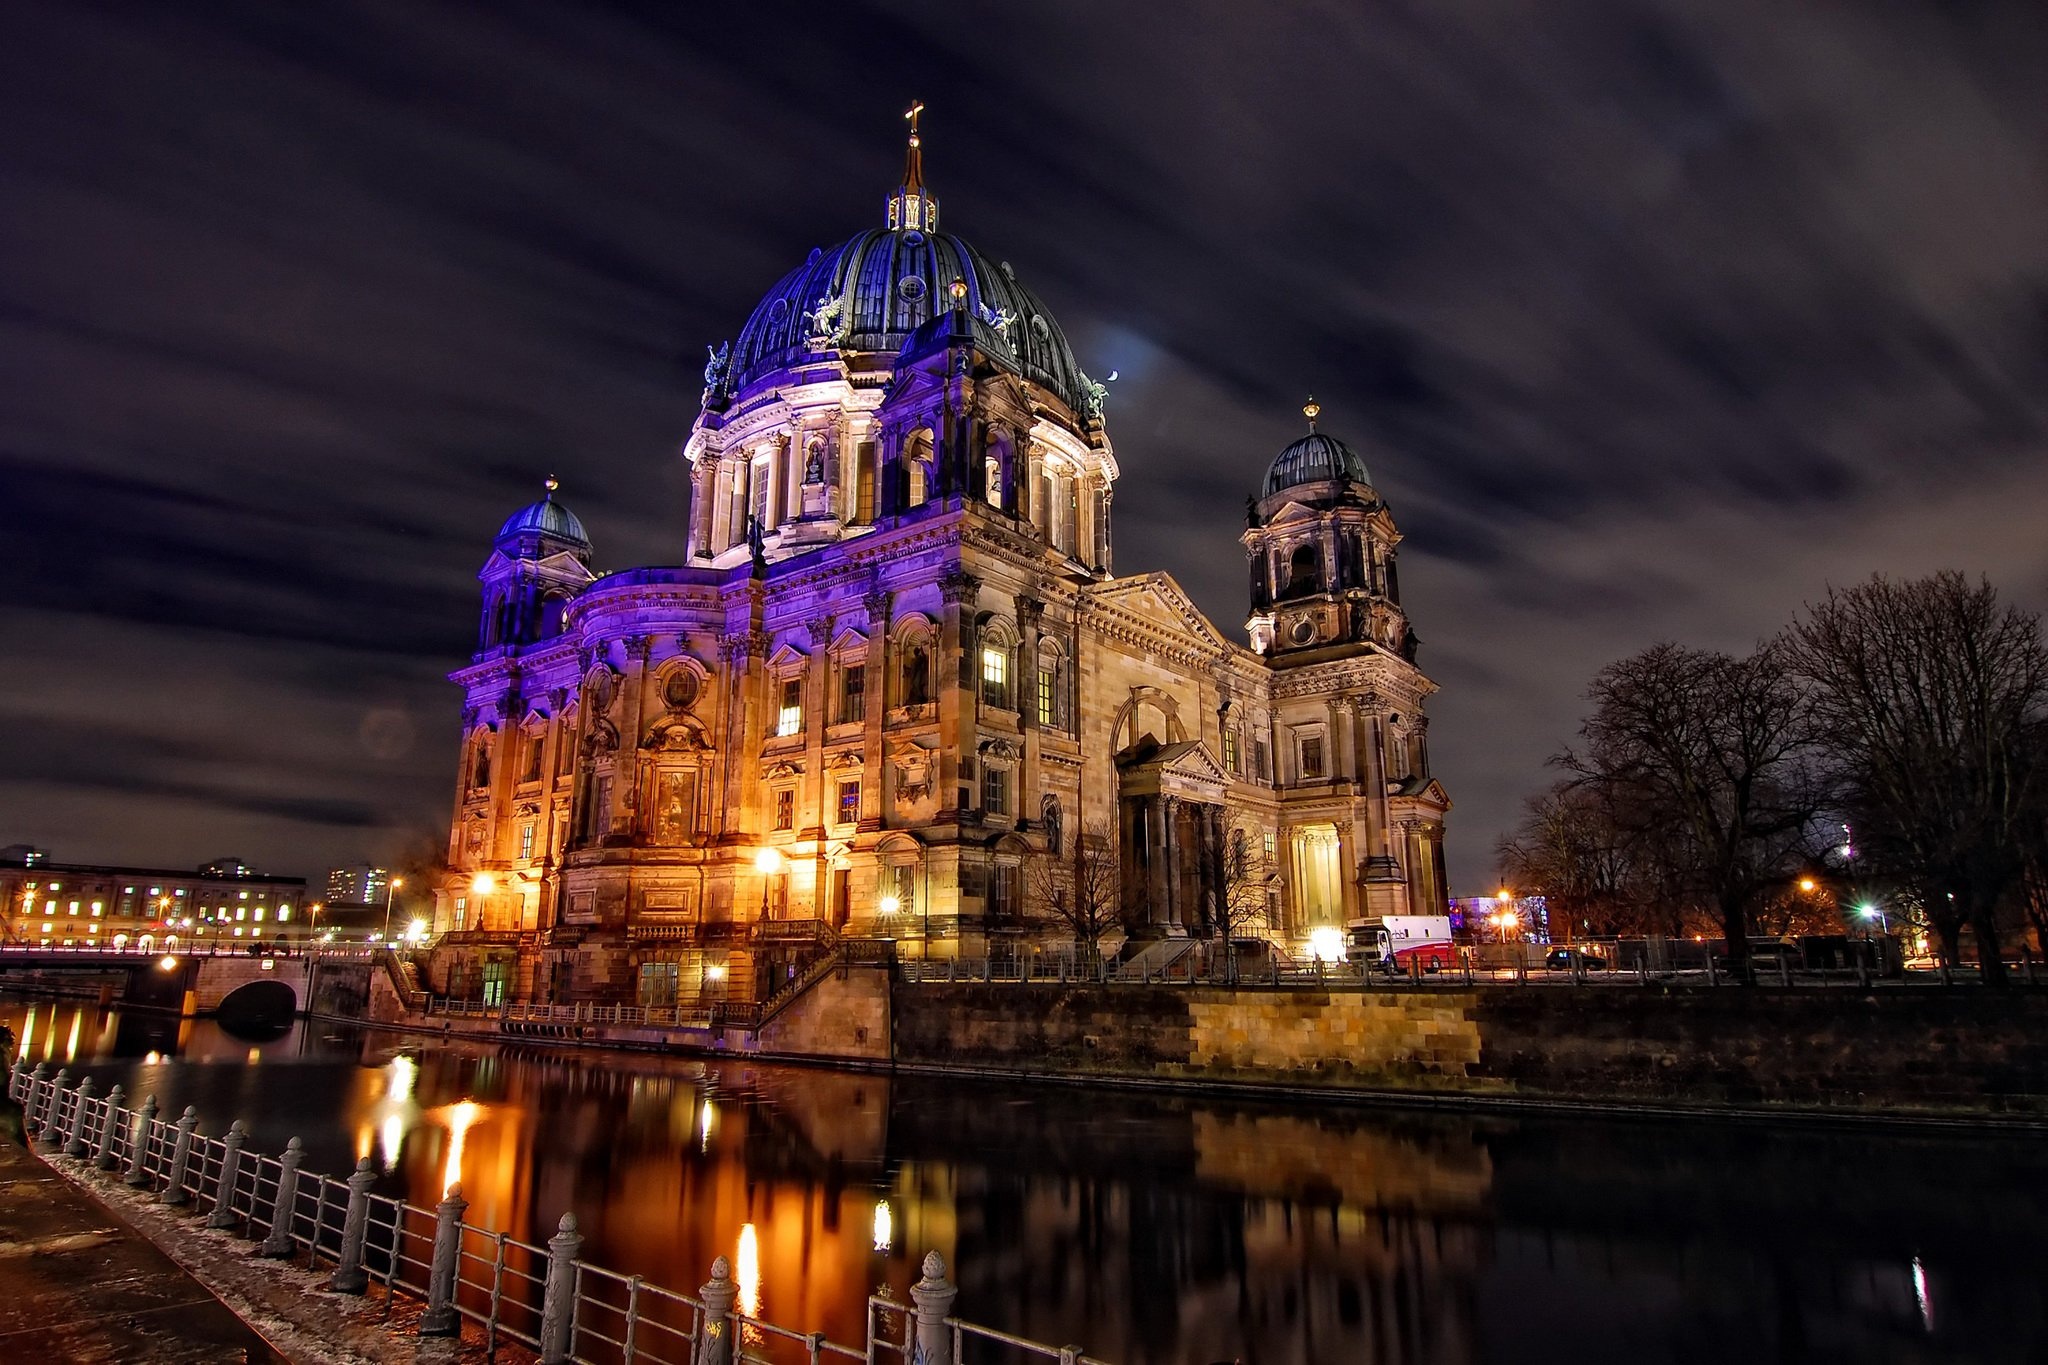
(877, 605)
(814, 793)
(628, 800)
(952, 670)
(1176, 903)
(1158, 900)
(504, 780)
(745, 680)
(1030, 614)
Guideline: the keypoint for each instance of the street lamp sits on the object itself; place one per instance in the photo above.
(767, 862)
(390, 892)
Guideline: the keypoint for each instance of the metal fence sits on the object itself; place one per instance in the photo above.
(1468, 970)
(510, 1292)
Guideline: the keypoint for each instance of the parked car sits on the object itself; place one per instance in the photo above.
(1571, 959)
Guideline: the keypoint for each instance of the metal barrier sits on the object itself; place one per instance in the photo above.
(544, 1298)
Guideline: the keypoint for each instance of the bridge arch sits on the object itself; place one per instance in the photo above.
(259, 1002)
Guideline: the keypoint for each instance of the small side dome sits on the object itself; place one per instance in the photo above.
(541, 523)
(1315, 458)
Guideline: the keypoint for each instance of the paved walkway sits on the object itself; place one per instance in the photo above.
(76, 1285)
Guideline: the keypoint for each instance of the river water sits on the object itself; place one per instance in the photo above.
(1156, 1231)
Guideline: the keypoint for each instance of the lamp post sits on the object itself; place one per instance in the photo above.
(767, 862)
(390, 893)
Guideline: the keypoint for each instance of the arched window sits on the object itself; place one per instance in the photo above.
(1304, 570)
(996, 665)
(992, 488)
(916, 688)
(917, 468)
(480, 766)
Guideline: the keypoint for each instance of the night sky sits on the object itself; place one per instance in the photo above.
(1650, 320)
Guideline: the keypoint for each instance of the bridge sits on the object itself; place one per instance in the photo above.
(269, 985)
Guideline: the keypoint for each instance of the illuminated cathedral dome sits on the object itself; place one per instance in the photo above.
(1315, 458)
(870, 292)
(545, 521)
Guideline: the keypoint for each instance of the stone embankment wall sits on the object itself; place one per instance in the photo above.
(1952, 1050)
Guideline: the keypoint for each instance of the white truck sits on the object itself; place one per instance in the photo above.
(1400, 943)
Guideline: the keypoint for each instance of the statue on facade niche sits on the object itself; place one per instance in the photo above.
(814, 462)
(755, 548)
(1049, 816)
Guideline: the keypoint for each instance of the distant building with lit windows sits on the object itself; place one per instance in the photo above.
(895, 682)
(361, 884)
(76, 905)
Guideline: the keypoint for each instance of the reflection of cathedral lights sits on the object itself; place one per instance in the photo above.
(365, 1140)
(747, 1270)
(28, 1031)
(885, 1226)
(152, 1057)
(706, 1120)
(389, 1138)
(460, 1118)
(399, 1078)
(71, 1043)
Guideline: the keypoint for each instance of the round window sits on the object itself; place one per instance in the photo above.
(681, 689)
(1304, 630)
(911, 288)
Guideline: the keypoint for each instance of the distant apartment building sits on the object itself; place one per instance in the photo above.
(361, 884)
(76, 905)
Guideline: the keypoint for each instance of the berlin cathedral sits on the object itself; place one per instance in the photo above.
(895, 690)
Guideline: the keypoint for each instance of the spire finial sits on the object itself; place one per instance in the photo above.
(551, 483)
(1311, 410)
(910, 207)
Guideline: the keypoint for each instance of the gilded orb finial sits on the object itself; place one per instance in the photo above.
(551, 483)
(958, 289)
(1311, 410)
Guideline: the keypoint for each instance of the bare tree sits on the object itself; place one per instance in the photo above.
(1081, 890)
(1570, 849)
(1931, 699)
(1249, 880)
(1703, 760)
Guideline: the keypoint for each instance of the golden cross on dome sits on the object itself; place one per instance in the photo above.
(1311, 410)
(916, 108)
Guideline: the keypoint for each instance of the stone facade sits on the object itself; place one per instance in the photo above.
(895, 690)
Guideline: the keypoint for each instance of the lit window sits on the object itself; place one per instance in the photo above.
(126, 890)
(1311, 759)
(48, 927)
(49, 907)
(461, 910)
(849, 802)
(284, 912)
(74, 907)
(790, 719)
(995, 677)
(241, 912)
(99, 908)
(238, 931)
(179, 892)
(259, 914)
(526, 840)
(785, 809)
(1230, 750)
(245, 895)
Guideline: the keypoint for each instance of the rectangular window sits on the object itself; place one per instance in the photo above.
(461, 910)
(995, 677)
(1048, 705)
(74, 907)
(1230, 750)
(995, 791)
(1008, 891)
(259, 913)
(849, 803)
(789, 720)
(785, 809)
(284, 912)
(526, 840)
(1311, 760)
(853, 694)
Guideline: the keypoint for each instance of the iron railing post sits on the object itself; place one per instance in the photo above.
(48, 1134)
(138, 1144)
(349, 1276)
(181, 1157)
(279, 1240)
(441, 1319)
(715, 1331)
(74, 1141)
(558, 1293)
(933, 1296)
(223, 1215)
(106, 1155)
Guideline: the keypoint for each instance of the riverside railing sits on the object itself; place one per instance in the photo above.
(1466, 971)
(544, 1298)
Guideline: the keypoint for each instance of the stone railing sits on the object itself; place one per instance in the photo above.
(500, 1289)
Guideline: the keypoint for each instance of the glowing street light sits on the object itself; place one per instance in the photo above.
(889, 904)
(390, 893)
(1808, 885)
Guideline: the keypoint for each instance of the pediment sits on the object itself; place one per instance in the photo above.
(848, 641)
(1159, 600)
(1429, 793)
(1293, 512)
(788, 656)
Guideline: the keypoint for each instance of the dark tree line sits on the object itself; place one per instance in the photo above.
(1705, 784)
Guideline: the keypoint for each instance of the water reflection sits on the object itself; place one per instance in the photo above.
(1158, 1231)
